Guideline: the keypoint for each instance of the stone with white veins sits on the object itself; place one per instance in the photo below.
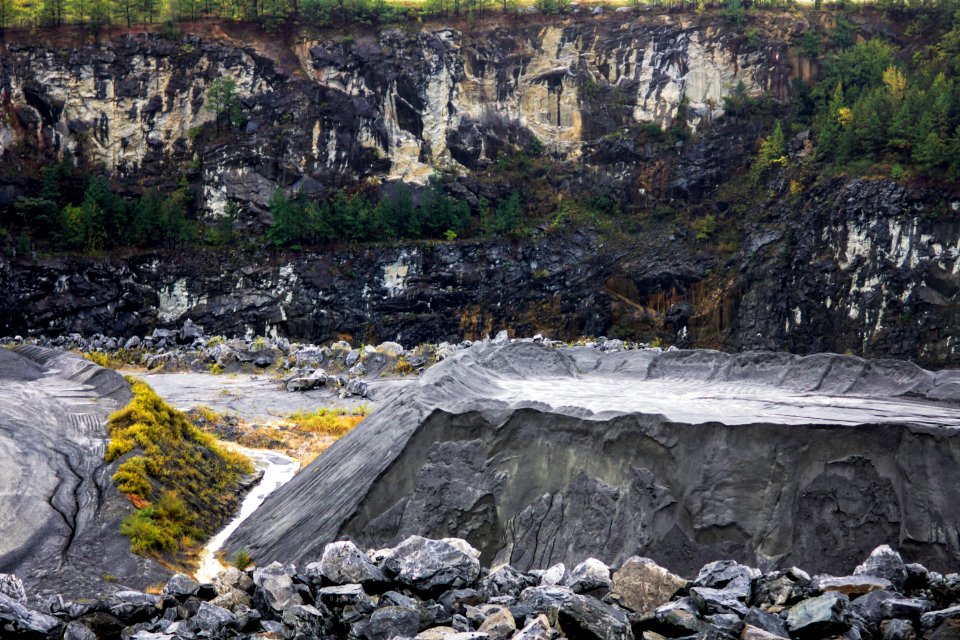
(344, 563)
(274, 588)
(429, 564)
(588, 575)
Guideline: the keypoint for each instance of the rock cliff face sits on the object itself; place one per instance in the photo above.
(387, 105)
(411, 294)
(538, 456)
(865, 267)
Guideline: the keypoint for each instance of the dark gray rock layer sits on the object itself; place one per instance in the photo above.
(801, 474)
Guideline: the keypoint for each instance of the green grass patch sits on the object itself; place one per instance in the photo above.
(241, 559)
(116, 360)
(334, 422)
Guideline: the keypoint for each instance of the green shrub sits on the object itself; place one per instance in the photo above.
(241, 559)
(704, 227)
(147, 535)
(773, 152)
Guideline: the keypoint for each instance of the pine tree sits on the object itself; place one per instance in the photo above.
(99, 12)
(78, 10)
(508, 215)
(773, 152)
(869, 128)
(223, 101)
(9, 13)
(828, 125)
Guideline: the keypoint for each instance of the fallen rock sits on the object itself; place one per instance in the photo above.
(582, 617)
(210, 620)
(897, 630)
(852, 585)
(274, 589)
(869, 607)
(905, 608)
(818, 616)
(504, 581)
(718, 601)
(17, 618)
(884, 562)
(303, 621)
(679, 618)
(392, 622)
(755, 633)
(431, 564)
(537, 629)
(181, 587)
(766, 621)
(78, 631)
(344, 563)
(12, 587)
(642, 585)
(554, 575)
(589, 575)
(499, 625)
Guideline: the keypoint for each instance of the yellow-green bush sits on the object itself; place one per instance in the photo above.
(194, 477)
(334, 422)
(241, 559)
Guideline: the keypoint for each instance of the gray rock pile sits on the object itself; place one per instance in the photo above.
(338, 366)
(436, 590)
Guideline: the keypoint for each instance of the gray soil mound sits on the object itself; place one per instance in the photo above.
(537, 456)
(59, 510)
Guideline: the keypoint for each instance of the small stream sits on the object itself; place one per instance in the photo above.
(278, 469)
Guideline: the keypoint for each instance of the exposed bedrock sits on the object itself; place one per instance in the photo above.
(853, 266)
(538, 456)
(59, 509)
(393, 104)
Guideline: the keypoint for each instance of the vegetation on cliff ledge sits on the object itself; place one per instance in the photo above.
(181, 481)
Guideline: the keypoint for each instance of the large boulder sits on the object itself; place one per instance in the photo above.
(589, 575)
(344, 563)
(884, 562)
(274, 589)
(820, 616)
(392, 622)
(16, 618)
(433, 564)
(642, 585)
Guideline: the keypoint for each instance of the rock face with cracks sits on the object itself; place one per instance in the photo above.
(538, 456)
(59, 509)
